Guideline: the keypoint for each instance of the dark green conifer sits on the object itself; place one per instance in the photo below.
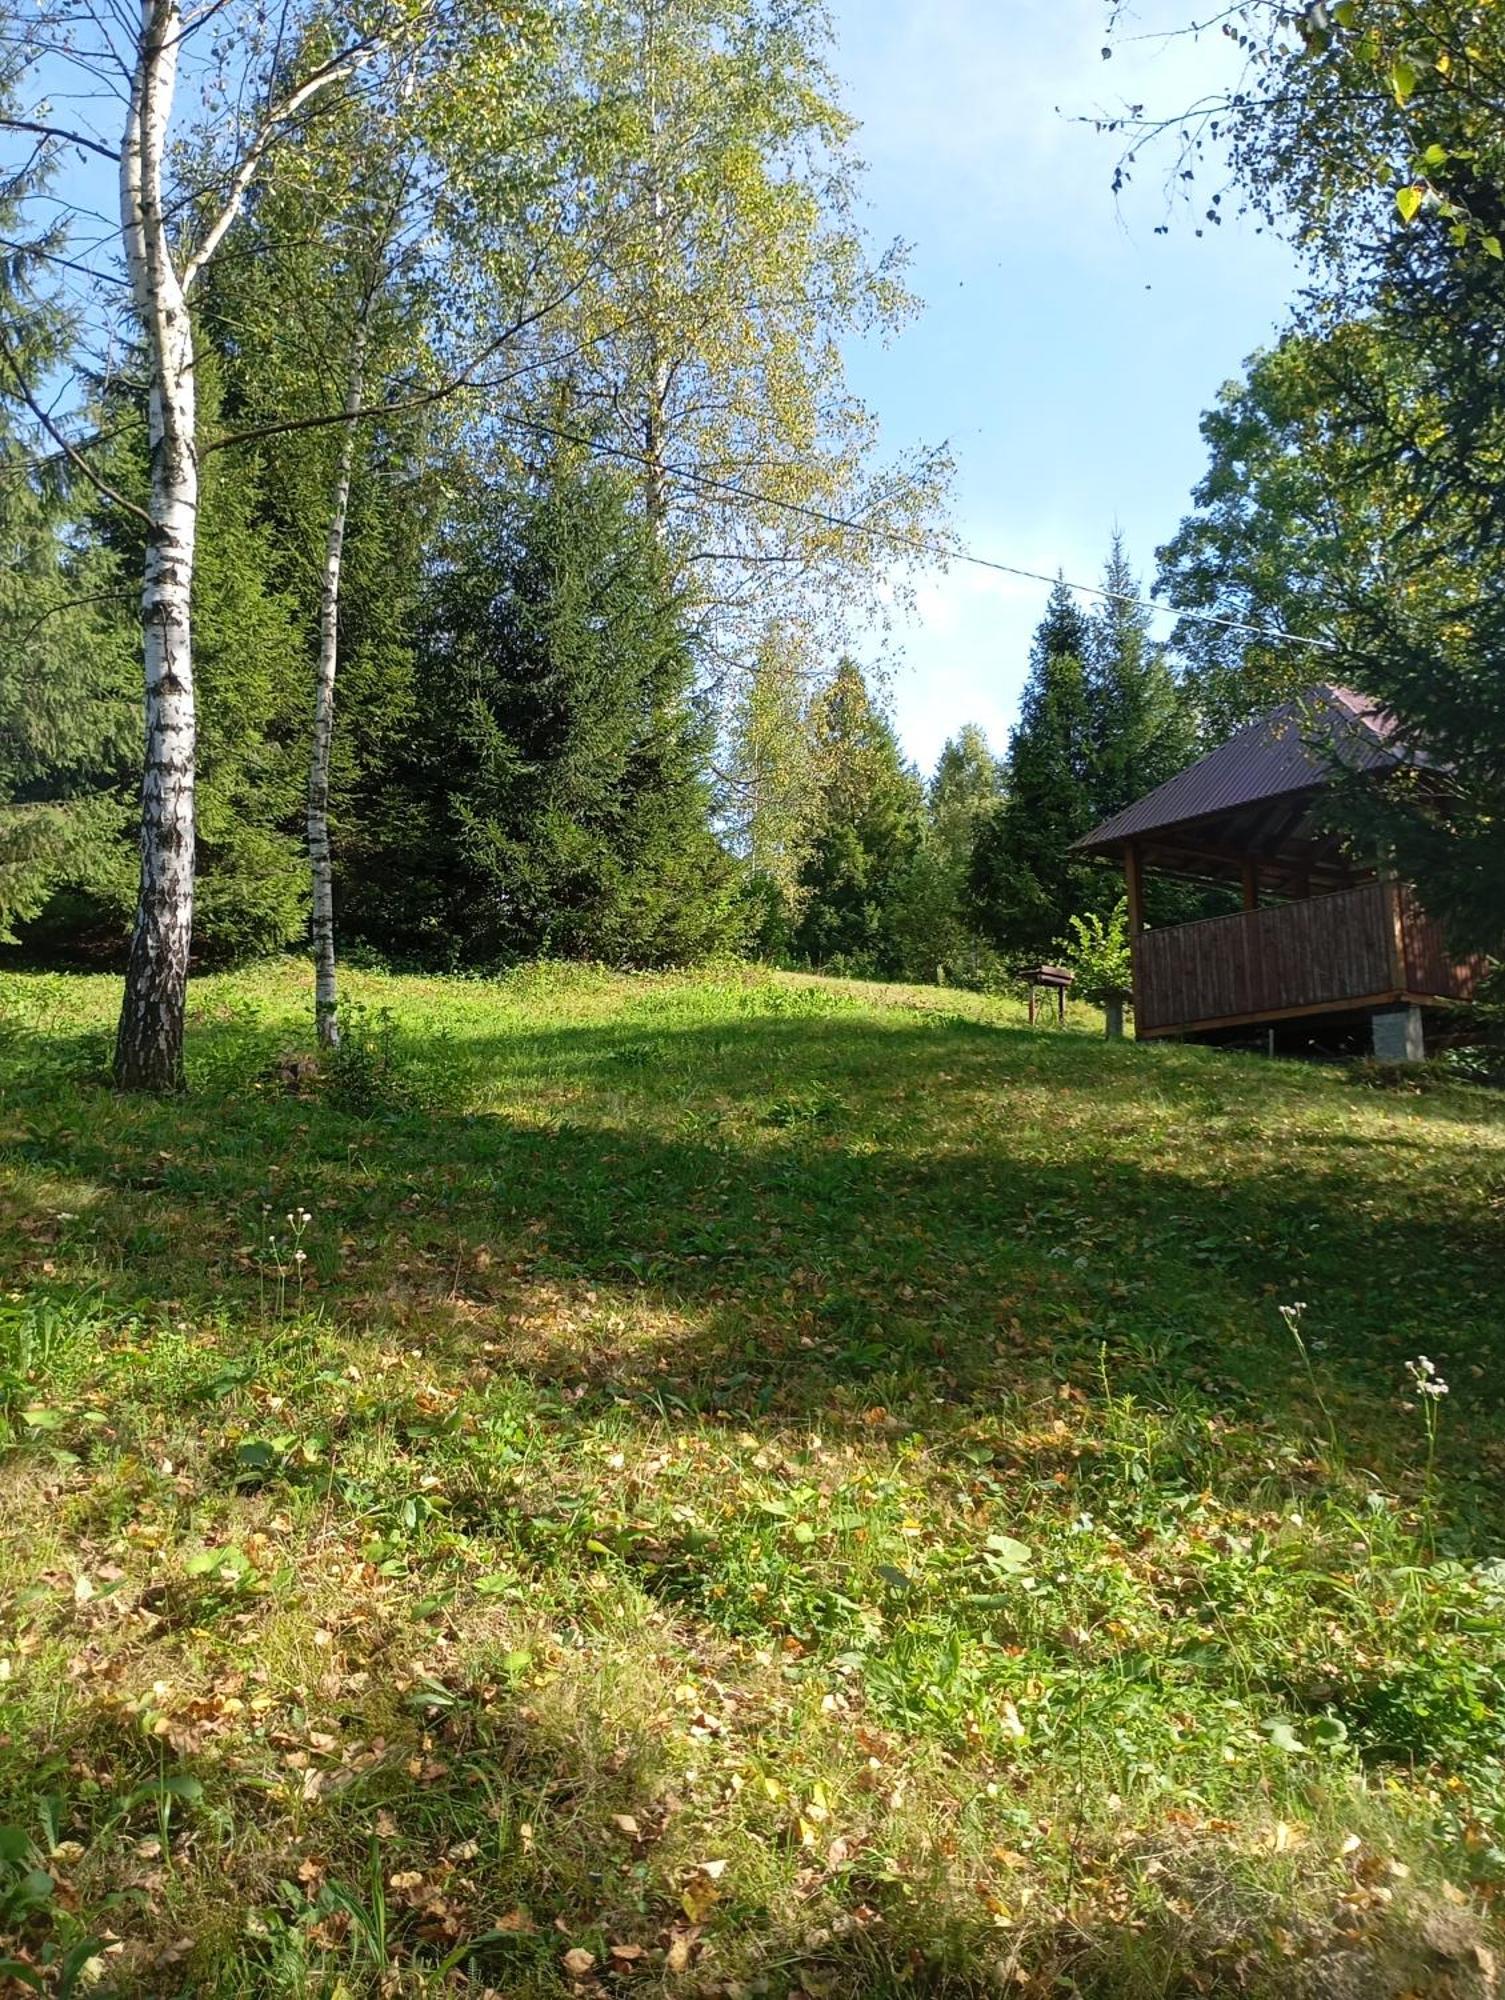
(567, 758)
(1025, 881)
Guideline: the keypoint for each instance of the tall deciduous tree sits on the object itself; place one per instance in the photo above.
(249, 887)
(968, 784)
(1377, 128)
(317, 309)
(68, 680)
(163, 273)
(382, 267)
(170, 233)
(723, 269)
(261, 77)
(772, 783)
(1294, 522)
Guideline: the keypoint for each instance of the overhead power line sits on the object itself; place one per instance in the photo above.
(921, 544)
(938, 551)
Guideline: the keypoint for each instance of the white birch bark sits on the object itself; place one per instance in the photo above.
(149, 1042)
(655, 483)
(326, 988)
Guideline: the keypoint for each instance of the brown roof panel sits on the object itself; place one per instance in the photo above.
(1279, 754)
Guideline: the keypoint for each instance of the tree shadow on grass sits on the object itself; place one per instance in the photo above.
(482, 1837)
(816, 1214)
(867, 1228)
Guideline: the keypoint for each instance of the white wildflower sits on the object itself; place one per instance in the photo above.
(1423, 1373)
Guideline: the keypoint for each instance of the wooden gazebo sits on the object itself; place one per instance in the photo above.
(1320, 934)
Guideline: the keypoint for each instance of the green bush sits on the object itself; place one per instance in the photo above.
(365, 1072)
(1096, 949)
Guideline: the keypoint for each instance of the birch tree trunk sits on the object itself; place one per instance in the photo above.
(149, 1041)
(326, 990)
(657, 389)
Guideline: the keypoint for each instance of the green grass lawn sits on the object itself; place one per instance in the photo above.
(740, 1485)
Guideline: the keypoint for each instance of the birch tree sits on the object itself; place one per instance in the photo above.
(372, 271)
(149, 1042)
(457, 70)
(378, 274)
(773, 777)
(311, 303)
(258, 89)
(704, 348)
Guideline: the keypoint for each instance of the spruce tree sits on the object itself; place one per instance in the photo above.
(68, 701)
(1025, 881)
(868, 828)
(1141, 725)
(68, 718)
(931, 935)
(569, 808)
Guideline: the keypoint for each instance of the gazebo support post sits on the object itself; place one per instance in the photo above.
(1134, 895)
(1134, 888)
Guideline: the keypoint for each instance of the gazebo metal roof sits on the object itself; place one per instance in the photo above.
(1286, 755)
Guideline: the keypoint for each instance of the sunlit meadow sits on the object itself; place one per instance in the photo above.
(735, 1485)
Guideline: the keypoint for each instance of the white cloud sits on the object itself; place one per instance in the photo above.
(961, 654)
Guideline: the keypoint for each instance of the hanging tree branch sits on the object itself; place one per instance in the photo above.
(267, 134)
(60, 132)
(64, 444)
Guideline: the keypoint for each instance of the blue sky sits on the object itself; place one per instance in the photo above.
(1065, 350)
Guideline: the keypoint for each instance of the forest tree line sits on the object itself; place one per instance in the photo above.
(531, 641)
(483, 403)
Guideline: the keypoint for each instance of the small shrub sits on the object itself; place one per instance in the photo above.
(1097, 950)
(1474, 1062)
(365, 1072)
(806, 1110)
(636, 1055)
(1411, 1079)
(35, 1336)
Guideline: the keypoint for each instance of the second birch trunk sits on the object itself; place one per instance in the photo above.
(321, 860)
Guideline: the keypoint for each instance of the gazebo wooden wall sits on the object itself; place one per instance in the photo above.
(1370, 946)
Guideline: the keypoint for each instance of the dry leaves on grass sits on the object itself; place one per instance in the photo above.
(701, 1890)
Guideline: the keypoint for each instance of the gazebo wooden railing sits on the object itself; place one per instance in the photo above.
(1324, 930)
(1368, 947)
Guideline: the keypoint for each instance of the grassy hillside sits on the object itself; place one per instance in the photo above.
(736, 1486)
